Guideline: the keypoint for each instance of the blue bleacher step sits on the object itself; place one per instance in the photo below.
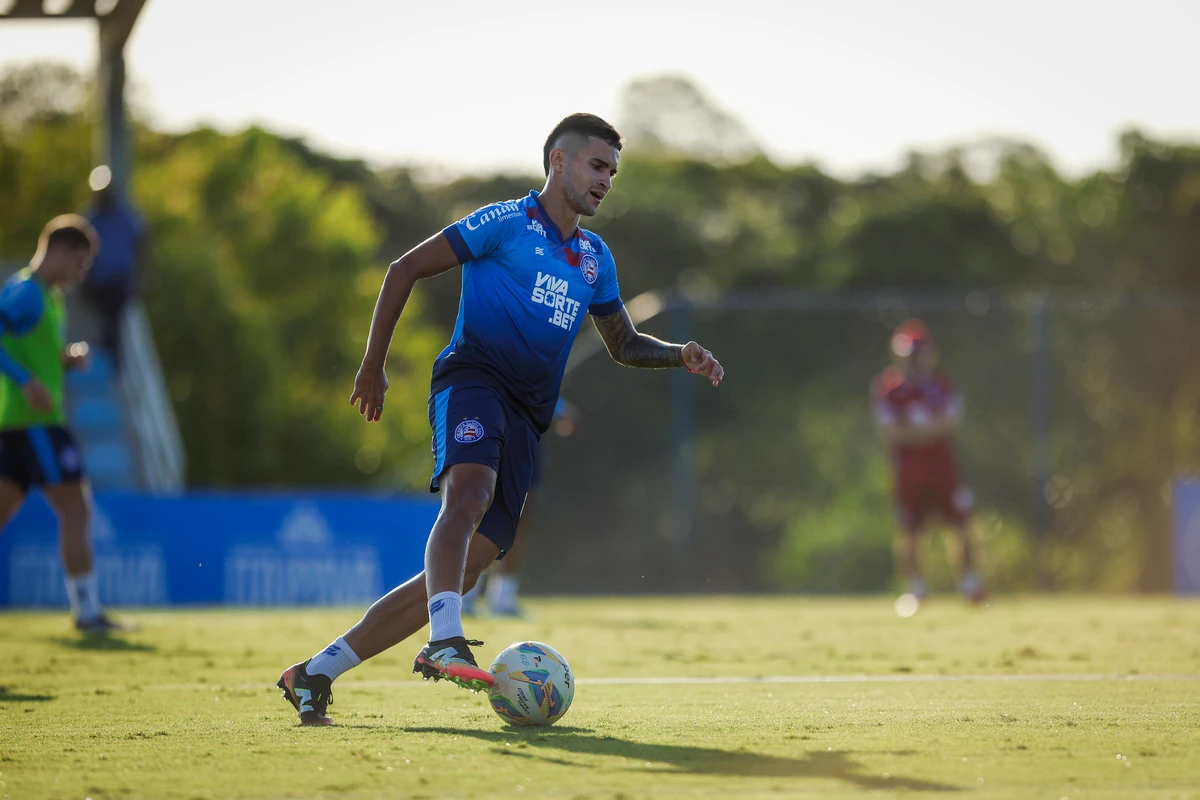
(109, 464)
(98, 415)
(99, 372)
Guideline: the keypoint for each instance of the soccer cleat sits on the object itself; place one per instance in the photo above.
(101, 625)
(977, 596)
(972, 588)
(451, 659)
(308, 694)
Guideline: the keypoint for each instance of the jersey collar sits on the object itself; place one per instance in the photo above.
(544, 218)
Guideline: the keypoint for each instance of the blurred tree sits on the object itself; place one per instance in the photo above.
(670, 114)
(267, 256)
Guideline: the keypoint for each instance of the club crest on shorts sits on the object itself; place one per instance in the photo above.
(469, 430)
(69, 459)
(590, 268)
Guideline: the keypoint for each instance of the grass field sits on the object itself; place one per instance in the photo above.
(1029, 698)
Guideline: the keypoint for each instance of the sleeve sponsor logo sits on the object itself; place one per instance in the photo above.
(498, 212)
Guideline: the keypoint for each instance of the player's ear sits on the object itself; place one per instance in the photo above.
(558, 160)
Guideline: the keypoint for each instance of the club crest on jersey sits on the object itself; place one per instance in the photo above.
(469, 430)
(590, 268)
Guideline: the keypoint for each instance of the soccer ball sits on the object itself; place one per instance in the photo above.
(534, 685)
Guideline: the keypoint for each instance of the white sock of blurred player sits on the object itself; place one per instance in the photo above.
(334, 660)
(502, 594)
(471, 598)
(84, 597)
(918, 588)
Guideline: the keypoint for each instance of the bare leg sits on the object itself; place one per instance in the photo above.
(963, 552)
(906, 548)
(467, 491)
(72, 503)
(11, 498)
(403, 611)
(961, 549)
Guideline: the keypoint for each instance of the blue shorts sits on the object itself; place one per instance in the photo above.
(39, 457)
(473, 424)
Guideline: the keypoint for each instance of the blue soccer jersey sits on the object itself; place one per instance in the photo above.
(525, 290)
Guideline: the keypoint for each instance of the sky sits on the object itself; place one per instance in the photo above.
(475, 86)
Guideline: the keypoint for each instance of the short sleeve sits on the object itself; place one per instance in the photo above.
(486, 230)
(21, 307)
(607, 299)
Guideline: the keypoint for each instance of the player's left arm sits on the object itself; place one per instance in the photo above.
(633, 349)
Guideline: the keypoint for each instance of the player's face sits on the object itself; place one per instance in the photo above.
(76, 263)
(925, 359)
(588, 176)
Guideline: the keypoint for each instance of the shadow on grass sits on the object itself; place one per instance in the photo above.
(10, 697)
(100, 643)
(838, 765)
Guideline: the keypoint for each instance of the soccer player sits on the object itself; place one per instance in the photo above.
(918, 414)
(529, 275)
(36, 449)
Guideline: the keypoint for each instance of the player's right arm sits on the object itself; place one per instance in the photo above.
(21, 307)
(472, 237)
(431, 257)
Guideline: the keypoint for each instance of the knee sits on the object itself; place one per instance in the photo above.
(469, 503)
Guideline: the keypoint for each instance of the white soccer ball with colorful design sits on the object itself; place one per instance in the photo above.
(534, 685)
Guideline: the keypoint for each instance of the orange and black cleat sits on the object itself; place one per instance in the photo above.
(308, 694)
(452, 659)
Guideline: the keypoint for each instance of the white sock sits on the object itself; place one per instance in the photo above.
(971, 582)
(84, 597)
(502, 593)
(334, 660)
(918, 588)
(445, 616)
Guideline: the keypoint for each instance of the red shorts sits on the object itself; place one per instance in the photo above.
(920, 493)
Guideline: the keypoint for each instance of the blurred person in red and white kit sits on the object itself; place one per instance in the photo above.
(918, 413)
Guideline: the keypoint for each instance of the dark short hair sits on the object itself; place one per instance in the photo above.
(587, 125)
(69, 230)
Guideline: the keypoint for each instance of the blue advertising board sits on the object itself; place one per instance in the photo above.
(232, 549)
(1185, 509)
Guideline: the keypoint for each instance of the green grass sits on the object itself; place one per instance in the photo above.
(184, 708)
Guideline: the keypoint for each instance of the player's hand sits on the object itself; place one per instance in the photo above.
(37, 396)
(701, 362)
(566, 420)
(370, 385)
(77, 356)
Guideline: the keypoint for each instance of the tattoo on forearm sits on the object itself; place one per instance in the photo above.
(633, 349)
